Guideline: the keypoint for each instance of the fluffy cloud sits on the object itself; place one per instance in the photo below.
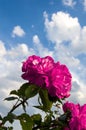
(70, 3)
(63, 26)
(64, 29)
(18, 31)
(40, 49)
(78, 93)
(36, 39)
(10, 70)
(64, 55)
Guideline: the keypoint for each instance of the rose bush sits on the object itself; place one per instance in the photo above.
(51, 82)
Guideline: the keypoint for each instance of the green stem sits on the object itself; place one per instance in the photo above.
(17, 105)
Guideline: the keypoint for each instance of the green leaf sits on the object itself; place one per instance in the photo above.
(26, 90)
(54, 99)
(10, 117)
(36, 119)
(47, 104)
(31, 91)
(39, 107)
(48, 119)
(10, 98)
(14, 92)
(21, 91)
(10, 128)
(0, 117)
(26, 122)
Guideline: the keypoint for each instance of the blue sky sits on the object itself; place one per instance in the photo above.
(29, 13)
(50, 27)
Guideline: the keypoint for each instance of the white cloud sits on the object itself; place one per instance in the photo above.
(78, 92)
(84, 4)
(2, 49)
(36, 39)
(18, 31)
(63, 28)
(70, 3)
(40, 49)
(64, 55)
(10, 70)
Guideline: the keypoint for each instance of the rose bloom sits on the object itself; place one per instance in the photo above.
(35, 69)
(78, 116)
(44, 72)
(60, 81)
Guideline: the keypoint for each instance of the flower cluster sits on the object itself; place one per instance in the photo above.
(78, 116)
(45, 73)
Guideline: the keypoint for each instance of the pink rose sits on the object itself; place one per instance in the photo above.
(69, 106)
(46, 65)
(35, 69)
(59, 81)
(78, 116)
(32, 62)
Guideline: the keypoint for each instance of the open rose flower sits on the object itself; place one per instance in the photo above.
(59, 81)
(78, 116)
(35, 69)
(44, 72)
